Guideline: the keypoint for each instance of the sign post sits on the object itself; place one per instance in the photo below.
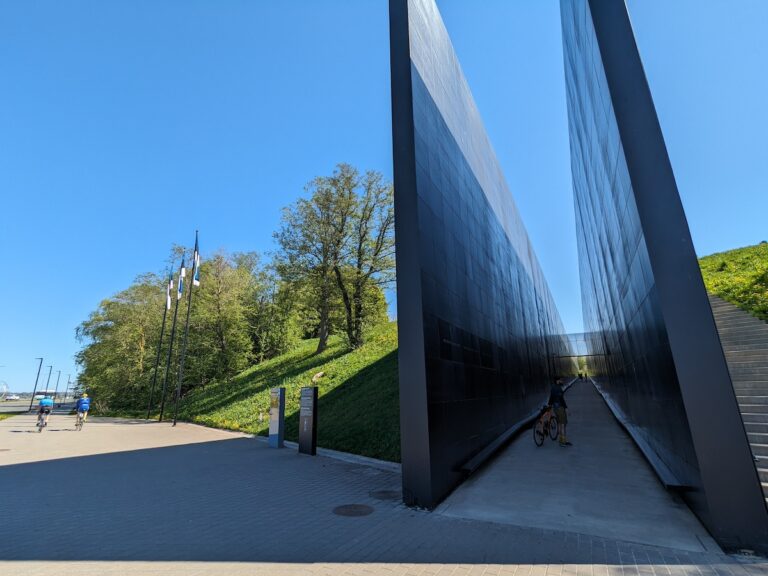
(276, 417)
(308, 421)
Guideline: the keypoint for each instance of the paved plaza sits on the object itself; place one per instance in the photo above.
(126, 497)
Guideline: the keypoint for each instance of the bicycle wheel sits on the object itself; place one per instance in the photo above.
(553, 432)
(538, 432)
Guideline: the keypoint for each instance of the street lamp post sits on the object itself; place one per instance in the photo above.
(56, 391)
(67, 390)
(48, 381)
(31, 400)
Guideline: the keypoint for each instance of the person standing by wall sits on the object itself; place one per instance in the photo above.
(557, 401)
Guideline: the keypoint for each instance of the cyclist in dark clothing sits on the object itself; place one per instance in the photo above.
(557, 401)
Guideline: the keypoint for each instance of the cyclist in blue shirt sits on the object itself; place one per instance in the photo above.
(44, 407)
(83, 405)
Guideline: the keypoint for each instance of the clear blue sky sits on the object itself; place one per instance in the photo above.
(125, 125)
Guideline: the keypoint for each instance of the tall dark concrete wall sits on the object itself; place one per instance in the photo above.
(479, 333)
(660, 362)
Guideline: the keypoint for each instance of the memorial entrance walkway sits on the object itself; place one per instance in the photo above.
(602, 485)
(126, 497)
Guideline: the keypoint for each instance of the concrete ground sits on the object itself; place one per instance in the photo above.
(602, 485)
(124, 497)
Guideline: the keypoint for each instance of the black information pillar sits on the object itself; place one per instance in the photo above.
(308, 421)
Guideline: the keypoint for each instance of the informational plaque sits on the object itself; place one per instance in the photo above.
(276, 417)
(308, 421)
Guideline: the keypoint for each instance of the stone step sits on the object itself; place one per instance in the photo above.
(755, 353)
(727, 329)
(753, 417)
(752, 400)
(746, 355)
(749, 393)
(762, 472)
(721, 304)
(756, 428)
(748, 347)
(747, 379)
(748, 363)
(733, 312)
(753, 408)
(729, 325)
(744, 343)
(741, 331)
(738, 371)
(759, 449)
(726, 325)
(729, 320)
(739, 384)
(760, 438)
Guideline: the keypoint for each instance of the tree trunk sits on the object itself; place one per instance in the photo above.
(348, 312)
(323, 328)
(357, 331)
(322, 331)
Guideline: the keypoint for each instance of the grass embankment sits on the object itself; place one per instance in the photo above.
(739, 276)
(358, 405)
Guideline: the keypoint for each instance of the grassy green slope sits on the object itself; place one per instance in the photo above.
(740, 276)
(358, 408)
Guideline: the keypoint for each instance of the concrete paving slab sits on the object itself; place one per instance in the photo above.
(124, 497)
(601, 486)
(20, 441)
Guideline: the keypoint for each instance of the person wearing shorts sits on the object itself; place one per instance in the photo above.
(557, 401)
(83, 405)
(45, 407)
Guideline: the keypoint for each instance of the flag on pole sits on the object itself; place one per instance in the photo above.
(168, 291)
(182, 275)
(196, 265)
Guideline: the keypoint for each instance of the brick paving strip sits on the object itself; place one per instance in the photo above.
(124, 497)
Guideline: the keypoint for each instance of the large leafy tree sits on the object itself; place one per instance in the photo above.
(273, 319)
(336, 253)
(120, 340)
(309, 239)
(338, 244)
(366, 258)
(219, 339)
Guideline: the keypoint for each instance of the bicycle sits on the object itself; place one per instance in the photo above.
(546, 423)
(79, 421)
(41, 423)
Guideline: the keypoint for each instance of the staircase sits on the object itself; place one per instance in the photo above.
(745, 342)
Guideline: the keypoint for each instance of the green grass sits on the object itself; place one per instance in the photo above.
(358, 406)
(4, 415)
(739, 276)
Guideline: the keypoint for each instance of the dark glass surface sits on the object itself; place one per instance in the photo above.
(491, 332)
(634, 363)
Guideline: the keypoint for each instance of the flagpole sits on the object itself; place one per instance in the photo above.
(170, 348)
(160, 342)
(193, 280)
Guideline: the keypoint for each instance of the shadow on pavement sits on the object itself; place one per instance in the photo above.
(237, 500)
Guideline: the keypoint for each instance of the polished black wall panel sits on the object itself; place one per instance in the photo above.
(659, 360)
(476, 296)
